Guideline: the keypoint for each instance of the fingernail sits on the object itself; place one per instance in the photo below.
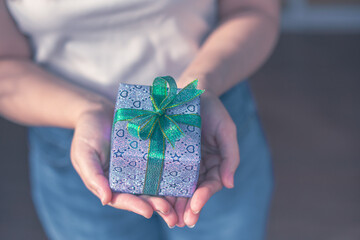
(159, 211)
(195, 212)
(102, 200)
(192, 226)
(231, 180)
(170, 226)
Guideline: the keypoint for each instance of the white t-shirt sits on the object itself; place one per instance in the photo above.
(99, 43)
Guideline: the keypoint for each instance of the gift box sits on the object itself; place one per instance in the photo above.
(155, 142)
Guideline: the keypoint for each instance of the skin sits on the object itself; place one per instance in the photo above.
(248, 27)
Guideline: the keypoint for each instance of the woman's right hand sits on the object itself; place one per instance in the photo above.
(90, 157)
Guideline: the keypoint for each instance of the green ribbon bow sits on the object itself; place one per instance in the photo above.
(156, 125)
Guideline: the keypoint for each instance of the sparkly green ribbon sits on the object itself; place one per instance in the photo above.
(156, 125)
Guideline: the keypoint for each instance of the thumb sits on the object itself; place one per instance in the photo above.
(226, 138)
(87, 164)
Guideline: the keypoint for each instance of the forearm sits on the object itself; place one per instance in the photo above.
(235, 49)
(30, 95)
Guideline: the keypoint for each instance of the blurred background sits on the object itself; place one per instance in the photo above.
(309, 103)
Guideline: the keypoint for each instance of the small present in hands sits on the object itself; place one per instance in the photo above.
(155, 143)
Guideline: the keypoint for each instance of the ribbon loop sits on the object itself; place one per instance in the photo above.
(160, 96)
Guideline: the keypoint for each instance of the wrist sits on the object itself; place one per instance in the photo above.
(95, 104)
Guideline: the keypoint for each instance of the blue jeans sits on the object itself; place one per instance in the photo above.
(68, 210)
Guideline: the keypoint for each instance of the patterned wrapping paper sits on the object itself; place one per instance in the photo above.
(128, 160)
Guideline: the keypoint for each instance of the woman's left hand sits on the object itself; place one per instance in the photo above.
(220, 159)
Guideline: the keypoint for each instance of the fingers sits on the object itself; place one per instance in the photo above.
(131, 203)
(198, 200)
(190, 218)
(87, 163)
(203, 193)
(180, 205)
(163, 208)
(171, 200)
(226, 138)
(159, 204)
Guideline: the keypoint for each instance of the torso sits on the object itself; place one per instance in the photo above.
(98, 44)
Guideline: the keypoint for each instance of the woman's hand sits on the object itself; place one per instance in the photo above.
(90, 157)
(220, 159)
